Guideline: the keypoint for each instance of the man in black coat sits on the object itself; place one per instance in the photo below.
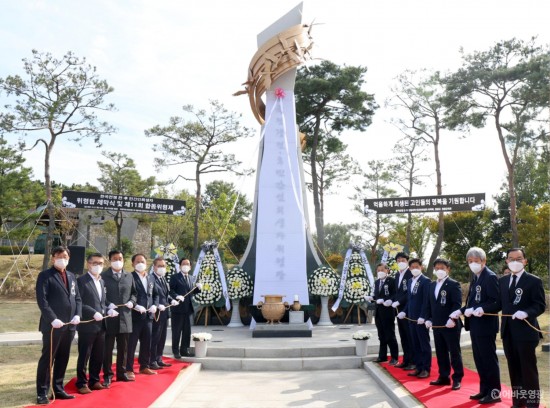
(445, 296)
(402, 280)
(91, 336)
(417, 309)
(483, 294)
(180, 288)
(144, 311)
(60, 306)
(120, 291)
(522, 297)
(384, 318)
(160, 323)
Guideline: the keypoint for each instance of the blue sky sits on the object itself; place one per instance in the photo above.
(164, 54)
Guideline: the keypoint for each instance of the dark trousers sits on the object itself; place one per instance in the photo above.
(486, 360)
(60, 348)
(522, 366)
(385, 325)
(181, 333)
(141, 331)
(91, 348)
(420, 342)
(158, 340)
(447, 351)
(121, 354)
(405, 336)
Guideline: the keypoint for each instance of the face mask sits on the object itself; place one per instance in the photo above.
(475, 267)
(161, 271)
(402, 266)
(440, 273)
(381, 275)
(117, 265)
(140, 267)
(185, 268)
(96, 269)
(515, 266)
(416, 272)
(61, 263)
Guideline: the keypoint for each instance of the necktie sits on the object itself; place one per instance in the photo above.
(165, 283)
(512, 287)
(187, 281)
(64, 278)
(117, 275)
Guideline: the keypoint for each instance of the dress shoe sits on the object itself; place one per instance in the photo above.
(401, 365)
(393, 362)
(423, 374)
(147, 371)
(410, 367)
(456, 385)
(124, 377)
(414, 373)
(477, 396)
(489, 400)
(42, 400)
(131, 375)
(379, 360)
(107, 384)
(63, 395)
(163, 364)
(177, 356)
(84, 390)
(155, 366)
(441, 381)
(97, 386)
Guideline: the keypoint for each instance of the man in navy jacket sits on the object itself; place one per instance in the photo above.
(445, 296)
(417, 310)
(402, 280)
(483, 295)
(522, 297)
(60, 306)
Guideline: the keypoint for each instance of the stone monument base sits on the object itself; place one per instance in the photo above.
(281, 330)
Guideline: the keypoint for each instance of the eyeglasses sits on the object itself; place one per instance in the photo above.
(516, 259)
(96, 263)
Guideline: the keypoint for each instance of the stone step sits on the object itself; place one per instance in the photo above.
(246, 352)
(278, 364)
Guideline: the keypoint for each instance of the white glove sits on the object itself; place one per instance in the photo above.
(456, 314)
(450, 323)
(395, 304)
(379, 301)
(75, 320)
(129, 305)
(112, 306)
(368, 298)
(152, 309)
(112, 313)
(162, 308)
(387, 303)
(98, 317)
(478, 312)
(181, 298)
(174, 302)
(199, 285)
(468, 312)
(420, 321)
(57, 324)
(428, 324)
(401, 315)
(518, 315)
(140, 309)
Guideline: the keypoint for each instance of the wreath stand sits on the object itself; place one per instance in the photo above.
(206, 311)
(356, 305)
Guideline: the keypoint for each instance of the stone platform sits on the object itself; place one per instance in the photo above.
(281, 330)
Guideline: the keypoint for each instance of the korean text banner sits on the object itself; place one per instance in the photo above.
(401, 205)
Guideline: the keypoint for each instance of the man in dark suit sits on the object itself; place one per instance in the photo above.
(417, 309)
(384, 318)
(91, 336)
(445, 296)
(522, 297)
(120, 291)
(402, 280)
(60, 307)
(160, 326)
(180, 288)
(144, 311)
(482, 294)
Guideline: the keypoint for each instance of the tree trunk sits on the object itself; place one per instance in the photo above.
(440, 223)
(197, 214)
(50, 207)
(118, 216)
(315, 190)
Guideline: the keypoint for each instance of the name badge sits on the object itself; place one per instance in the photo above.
(443, 297)
(415, 287)
(478, 294)
(518, 293)
(405, 285)
(73, 289)
(386, 290)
